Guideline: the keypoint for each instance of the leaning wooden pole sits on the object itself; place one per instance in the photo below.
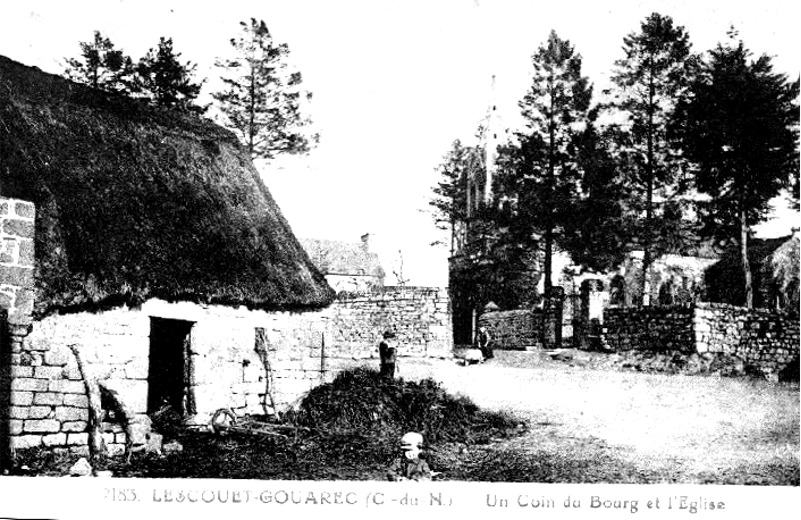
(96, 446)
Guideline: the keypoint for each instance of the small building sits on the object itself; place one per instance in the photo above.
(140, 253)
(349, 267)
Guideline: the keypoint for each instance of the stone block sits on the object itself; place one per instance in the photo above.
(69, 413)
(74, 426)
(55, 439)
(23, 442)
(40, 412)
(17, 276)
(50, 398)
(46, 372)
(29, 384)
(41, 426)
(57, 358)
(19, 228)
(22, 398)
(65, 386)
(78, 400)
(18, 412)
(23, 209)
(15, 427)
(26, 253)
(77, 439)
(115, 449)
(18, 371)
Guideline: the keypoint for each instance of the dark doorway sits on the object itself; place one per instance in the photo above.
(170, 369)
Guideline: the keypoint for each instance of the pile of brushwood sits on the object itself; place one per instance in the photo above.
(360, 401)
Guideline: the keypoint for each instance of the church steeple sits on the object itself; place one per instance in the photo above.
(491, 144)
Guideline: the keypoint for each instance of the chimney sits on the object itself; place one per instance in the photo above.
(366, 242)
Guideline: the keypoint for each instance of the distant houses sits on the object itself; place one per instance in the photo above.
(349, 267)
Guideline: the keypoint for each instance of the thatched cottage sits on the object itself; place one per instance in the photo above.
(139, 251)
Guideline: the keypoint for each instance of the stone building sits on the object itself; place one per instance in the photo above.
(142, 259)
(348, 267)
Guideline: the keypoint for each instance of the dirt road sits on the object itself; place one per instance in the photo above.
(684, 428)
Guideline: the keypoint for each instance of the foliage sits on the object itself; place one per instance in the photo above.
(546, 168)
(652, 77)
(449, 202)
(166, 81)
(599, 231)
(740, 130)
(261, 100)
(101, 66)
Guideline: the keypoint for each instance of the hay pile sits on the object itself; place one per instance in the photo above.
(360, 401)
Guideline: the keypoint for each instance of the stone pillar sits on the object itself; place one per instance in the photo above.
(16, 302)
(593, 301)
(552, 318)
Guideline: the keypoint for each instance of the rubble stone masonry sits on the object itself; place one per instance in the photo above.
(767, 341)
(514, 329)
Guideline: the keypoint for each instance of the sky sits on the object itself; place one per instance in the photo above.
(393, 84)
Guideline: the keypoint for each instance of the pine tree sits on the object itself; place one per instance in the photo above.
(167, 82)
(101, 66)
(652, 77)
(740, 129)
(262, 99)
(555, 109)
(449, 203)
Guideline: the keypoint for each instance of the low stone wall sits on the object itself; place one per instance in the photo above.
(650, 328)
(513, 330)
(766, 340)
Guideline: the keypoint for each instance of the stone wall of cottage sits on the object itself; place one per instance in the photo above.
(766, 340)
(514, 329)
(17, 259)
(251, 361)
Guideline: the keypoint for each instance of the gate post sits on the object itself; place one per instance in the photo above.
(552, 318)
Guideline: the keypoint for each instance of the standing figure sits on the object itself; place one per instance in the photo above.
(386, 351)
(483, 339)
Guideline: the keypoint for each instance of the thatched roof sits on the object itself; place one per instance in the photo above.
(724, 279)
(136, 202)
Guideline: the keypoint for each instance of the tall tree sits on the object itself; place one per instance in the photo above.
(165, 80)
(600, 230)
(101, 66)
(654, 74)
(262, 99)
(555, 109)
(449, 203)
(740, 129)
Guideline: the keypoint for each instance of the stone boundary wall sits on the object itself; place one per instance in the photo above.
(514, 329)
(419, 316)
(767, 341)
(650, 328)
